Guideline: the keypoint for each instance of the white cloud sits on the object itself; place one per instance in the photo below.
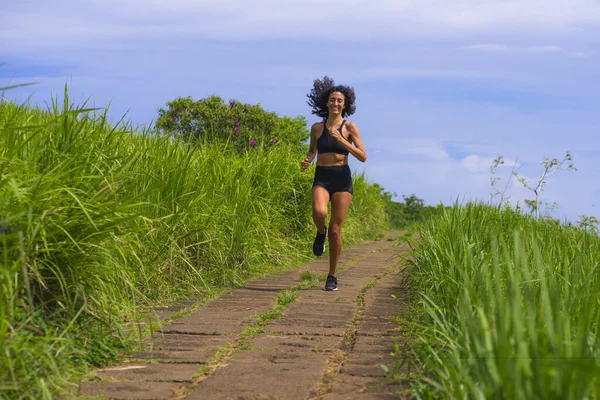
(430, 149)
(491, 47)
(468, 179)
(435, 152)
(582, 54)
(433, 180)
(39, 24)
(543, 49)
(426, 73)
(475, 163)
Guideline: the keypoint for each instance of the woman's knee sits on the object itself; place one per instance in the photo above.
(319, 212)
(335, 231)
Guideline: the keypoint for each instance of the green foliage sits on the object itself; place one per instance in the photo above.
(240, 125)
(98, 220)
(505, 307)
(588, 223)
(410, 213)
(368, 209)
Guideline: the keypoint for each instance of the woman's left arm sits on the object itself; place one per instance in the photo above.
(358, 150)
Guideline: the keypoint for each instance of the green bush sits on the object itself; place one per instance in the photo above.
(240, 125)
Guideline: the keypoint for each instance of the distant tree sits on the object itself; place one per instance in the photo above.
(415, 206)
(239, 124)
(410, 212)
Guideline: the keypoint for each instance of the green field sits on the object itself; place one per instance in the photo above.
(504, 307)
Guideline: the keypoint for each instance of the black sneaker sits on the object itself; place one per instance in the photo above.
(319, 243)
(331, 283)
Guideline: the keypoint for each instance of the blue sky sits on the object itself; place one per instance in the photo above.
(443, 87)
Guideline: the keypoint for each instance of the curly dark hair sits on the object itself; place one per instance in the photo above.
(319, 97)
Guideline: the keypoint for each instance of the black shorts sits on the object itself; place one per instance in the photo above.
(334, 179)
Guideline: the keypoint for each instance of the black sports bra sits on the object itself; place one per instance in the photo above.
(327, 144)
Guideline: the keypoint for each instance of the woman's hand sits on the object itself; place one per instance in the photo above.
(304, 165)
(307, 160)
(334, 133)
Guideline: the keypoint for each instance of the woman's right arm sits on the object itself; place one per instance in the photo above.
(312, 148)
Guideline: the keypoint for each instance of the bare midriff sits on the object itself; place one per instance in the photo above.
(331, 160)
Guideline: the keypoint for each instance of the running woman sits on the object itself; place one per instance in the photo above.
(331, 140)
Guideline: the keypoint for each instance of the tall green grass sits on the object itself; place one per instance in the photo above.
(98, 219)
(505, 308)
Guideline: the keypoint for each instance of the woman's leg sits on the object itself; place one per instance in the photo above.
(340, 204)
(320, 200)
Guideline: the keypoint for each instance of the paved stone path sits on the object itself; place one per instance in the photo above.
(321, 345)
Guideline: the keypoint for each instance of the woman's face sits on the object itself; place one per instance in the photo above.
(336, 103)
